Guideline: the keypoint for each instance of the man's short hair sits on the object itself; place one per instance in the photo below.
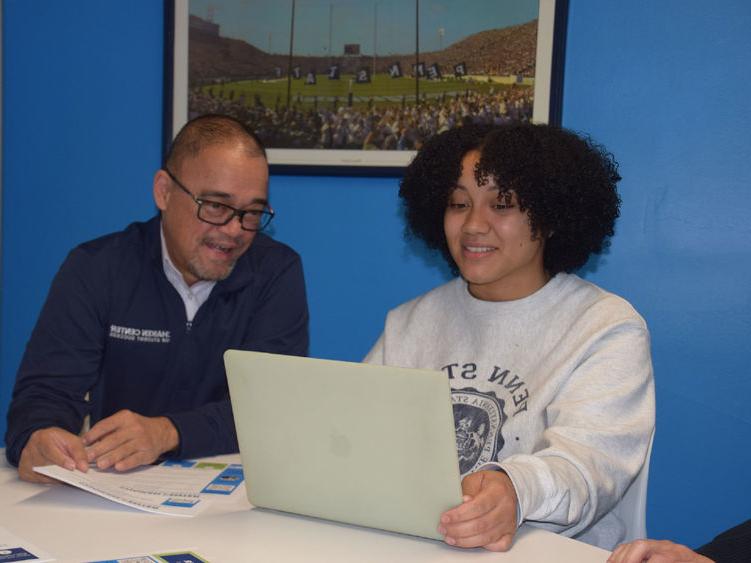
(211, 130)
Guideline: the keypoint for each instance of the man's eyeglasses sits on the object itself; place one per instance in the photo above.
(215, 213)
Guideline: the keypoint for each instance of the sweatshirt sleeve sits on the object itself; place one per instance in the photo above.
(279, 326)
(62, 358)
(596, 441)
(376, 354)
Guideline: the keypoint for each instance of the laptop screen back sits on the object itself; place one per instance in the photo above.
(356, 443)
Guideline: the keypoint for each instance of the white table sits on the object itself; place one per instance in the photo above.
(73, 526)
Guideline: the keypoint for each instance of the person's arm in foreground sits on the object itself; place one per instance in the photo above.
(655, 551)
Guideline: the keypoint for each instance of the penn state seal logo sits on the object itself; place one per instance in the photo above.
(478, 420)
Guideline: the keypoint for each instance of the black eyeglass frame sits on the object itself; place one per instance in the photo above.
(266, 214)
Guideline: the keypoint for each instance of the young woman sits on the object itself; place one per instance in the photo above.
(551, 376)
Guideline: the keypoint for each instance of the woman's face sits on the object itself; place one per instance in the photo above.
(491, 240)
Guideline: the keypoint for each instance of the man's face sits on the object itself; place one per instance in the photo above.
(221, 173)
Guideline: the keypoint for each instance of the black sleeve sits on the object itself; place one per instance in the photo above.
(62, 358)
(732, 546)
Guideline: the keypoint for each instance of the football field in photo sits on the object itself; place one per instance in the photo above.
(382, 89)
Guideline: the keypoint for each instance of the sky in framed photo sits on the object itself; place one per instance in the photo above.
(266, 23)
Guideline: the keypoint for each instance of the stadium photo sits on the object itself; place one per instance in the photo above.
(380, 75)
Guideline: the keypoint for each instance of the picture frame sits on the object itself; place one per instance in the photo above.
(244, 91)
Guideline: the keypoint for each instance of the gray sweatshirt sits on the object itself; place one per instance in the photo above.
(555, 388)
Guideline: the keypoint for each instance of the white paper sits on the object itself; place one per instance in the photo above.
(160, 489)
(13, 548)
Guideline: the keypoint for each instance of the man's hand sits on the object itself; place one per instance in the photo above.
(655, 551)
(126, 440)
(487, 517)
(51, 446)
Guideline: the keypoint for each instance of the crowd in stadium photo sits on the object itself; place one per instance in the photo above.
(371, 126)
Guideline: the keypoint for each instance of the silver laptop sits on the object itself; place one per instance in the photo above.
(356, 443)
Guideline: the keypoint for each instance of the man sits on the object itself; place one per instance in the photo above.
(136, 322)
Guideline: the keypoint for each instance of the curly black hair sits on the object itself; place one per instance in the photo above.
(565, 182)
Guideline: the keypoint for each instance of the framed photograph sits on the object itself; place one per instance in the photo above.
(357, 86)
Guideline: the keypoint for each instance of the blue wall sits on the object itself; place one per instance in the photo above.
(662, 85)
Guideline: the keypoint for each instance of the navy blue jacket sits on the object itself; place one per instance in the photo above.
(114, 327)
(731, 546)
